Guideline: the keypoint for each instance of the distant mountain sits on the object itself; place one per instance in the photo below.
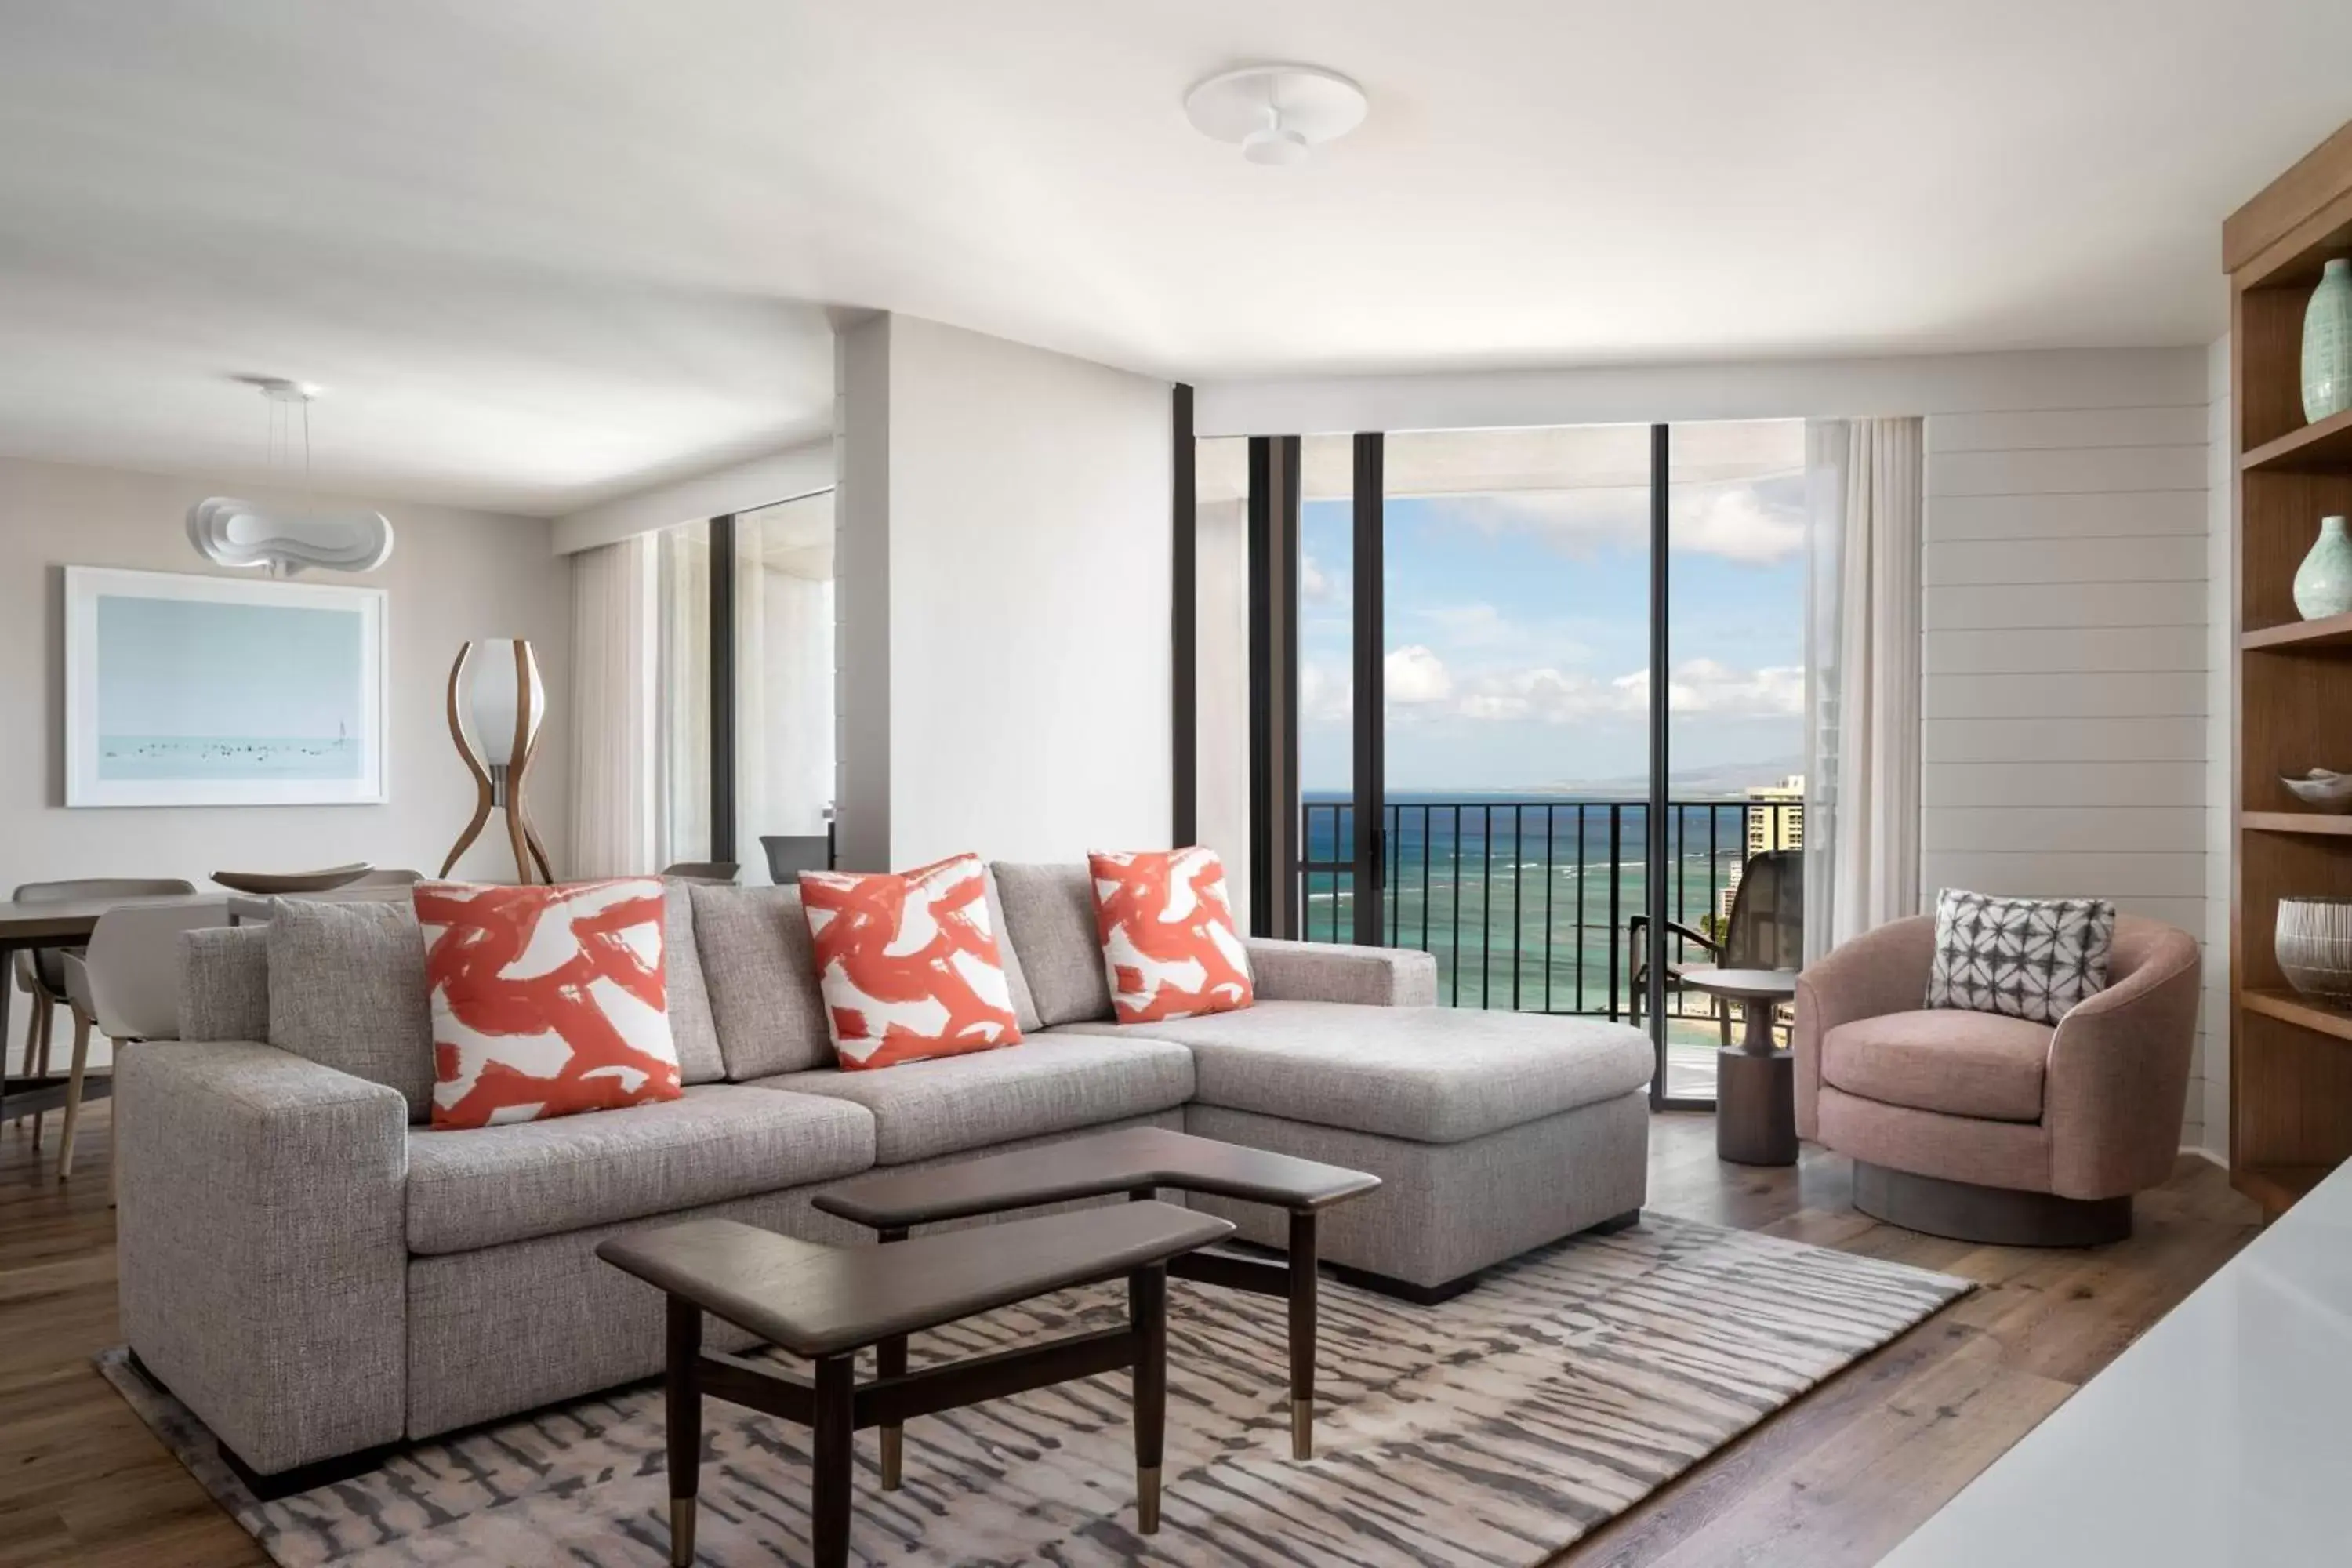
(1731, 779)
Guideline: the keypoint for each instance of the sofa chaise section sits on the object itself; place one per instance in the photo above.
(1491, 1132)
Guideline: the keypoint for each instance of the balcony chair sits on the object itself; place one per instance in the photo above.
(703, 870)
(40, 971)
(1992, 1128)
(1766, 931)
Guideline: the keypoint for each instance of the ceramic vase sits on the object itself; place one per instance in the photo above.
(2315, 946)
(2328, 344)
(2323, 583)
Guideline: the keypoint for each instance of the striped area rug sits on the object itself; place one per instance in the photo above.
(1495, 1429)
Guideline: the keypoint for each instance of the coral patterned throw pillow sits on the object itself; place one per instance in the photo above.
(1169, 939)
(908, 964)
(546, 1001)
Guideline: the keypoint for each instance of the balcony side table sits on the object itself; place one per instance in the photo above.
(1756, 1083)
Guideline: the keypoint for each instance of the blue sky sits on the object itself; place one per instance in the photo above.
(195, 668)
(1517, 635)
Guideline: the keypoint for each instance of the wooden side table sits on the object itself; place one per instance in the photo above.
(1756, 1083)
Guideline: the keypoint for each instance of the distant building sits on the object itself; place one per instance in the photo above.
(1776, 820)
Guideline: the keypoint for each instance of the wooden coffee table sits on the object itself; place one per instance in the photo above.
(1756, 1082)
(1138, 1161)
(826, 1303)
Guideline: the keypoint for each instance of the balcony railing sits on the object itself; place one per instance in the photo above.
(1526, 904)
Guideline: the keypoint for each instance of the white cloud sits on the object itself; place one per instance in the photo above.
(1415, 677)
(1734, 519)
(1550, 696)
(1704, 685)
(1326, 693)
(1315, 584)
(1736, 523)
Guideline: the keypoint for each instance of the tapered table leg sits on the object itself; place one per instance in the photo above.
(1147, 1296)
(834, 1445)
(1302, 1334)
(890, 1361)
(684, 1399)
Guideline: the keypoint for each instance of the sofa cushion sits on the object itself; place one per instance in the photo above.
(1435, 1074)
(225, 984)
(691, 1028)
(483, 1186)
(762, 980)
(347, 991)
(547, 1001)
(1171, 946)
(910, 962)
(1043, 1085)
(1961, 1064)
(1049, 914)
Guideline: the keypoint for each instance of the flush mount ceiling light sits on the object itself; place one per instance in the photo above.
(1277, 113)
(228, 532)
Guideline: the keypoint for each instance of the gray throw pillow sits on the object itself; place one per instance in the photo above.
(2025, 958)
(347, 990)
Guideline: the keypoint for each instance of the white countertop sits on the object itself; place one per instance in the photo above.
(2224, 1437)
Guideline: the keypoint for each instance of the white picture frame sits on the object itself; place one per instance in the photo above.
(192, 690)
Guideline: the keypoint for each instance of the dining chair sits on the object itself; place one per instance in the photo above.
(703, 870)
(126, 985)
(41, 970)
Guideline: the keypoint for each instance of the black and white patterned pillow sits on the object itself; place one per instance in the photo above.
(2027, 958)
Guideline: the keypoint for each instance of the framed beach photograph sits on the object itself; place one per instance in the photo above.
(187, 691)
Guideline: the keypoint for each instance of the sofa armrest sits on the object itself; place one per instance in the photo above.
(1880, 971)
(2118, 1074)
(1335, 972)
(262, 1244)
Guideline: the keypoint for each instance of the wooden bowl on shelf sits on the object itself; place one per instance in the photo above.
(264, 884)
(2321, 788)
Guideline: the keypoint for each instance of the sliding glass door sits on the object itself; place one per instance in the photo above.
(1485, 767)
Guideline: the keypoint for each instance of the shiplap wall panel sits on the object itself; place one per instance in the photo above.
(1974, 607)
(2141, 514)
(2065, 649)
(2067, 660)
(2131, 694)
(2014, 431)
(2067, 471)
(2100, 740)
(2168, 558)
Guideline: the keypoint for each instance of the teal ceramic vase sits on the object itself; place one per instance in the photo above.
(2323, 583)
(2328, 344)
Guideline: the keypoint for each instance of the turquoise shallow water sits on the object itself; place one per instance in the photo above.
(226, 757)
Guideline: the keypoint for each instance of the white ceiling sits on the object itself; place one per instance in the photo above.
(543, 251)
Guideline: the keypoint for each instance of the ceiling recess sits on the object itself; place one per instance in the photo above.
(1276, 113)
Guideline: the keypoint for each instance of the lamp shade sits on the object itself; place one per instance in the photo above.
(495, 675)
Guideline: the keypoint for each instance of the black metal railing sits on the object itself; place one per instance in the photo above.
(1527, 905)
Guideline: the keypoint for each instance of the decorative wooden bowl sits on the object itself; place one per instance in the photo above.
(2323, 788)
(266, 883)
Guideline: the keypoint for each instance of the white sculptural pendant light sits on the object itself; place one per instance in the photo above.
(228, 532)
(496, 706)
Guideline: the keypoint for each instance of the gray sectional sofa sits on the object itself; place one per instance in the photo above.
(316, 1273)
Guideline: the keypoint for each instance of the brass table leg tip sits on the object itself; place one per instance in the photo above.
(1302, 1429)
(894, 1445)
(1147, 1498)
(681, 1532)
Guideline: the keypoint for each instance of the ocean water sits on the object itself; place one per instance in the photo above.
(1526, 900)
(226, 757)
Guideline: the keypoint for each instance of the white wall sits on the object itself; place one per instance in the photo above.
(2209, 1097)
(2074, 735)
(453, 575)
(1016, 504)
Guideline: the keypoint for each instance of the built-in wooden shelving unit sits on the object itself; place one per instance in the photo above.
(2290, 1055)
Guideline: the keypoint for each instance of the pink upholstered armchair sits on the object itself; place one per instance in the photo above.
(1989, 1128)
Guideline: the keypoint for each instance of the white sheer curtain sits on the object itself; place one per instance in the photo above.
(1864, 492)
(613, 613)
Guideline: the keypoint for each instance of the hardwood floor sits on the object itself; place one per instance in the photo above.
(1837, 1479)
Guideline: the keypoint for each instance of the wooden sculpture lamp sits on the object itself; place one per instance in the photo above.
(496, 705)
